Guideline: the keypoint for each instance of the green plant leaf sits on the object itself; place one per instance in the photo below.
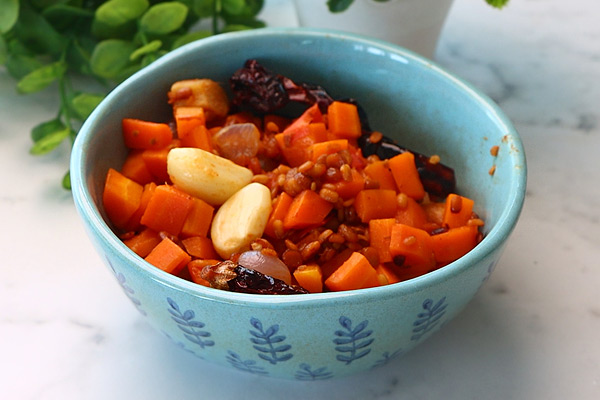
(46, 128)
(66, 181)
(119, 12)
(233, 7)
(63, 16)
(163, 18)
(84, 103)
(497, 3)
(190, 37)
(337, 6)
(19, 65)
(42, 77)
(3, 51)
(249, 9)
(146, 49)
(50, 141)
(9, 14)
(110, 57)
(203, 8)
(238, 27)
(36, 33)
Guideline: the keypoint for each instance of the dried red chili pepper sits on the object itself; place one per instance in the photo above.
(228, 275)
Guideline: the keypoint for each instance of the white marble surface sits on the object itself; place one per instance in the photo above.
(533, 331)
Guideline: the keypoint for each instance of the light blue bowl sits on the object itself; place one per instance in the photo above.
(314, 336)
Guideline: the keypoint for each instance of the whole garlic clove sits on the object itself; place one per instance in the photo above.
(241, 220)
(205, 175)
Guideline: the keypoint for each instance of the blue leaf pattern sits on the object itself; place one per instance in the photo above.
(244, 365)
(192, 330)
(428, 319)
(351, 341)
(129, 292)
(306, 373)
(265, 342)
(490, 269)
(387, 357)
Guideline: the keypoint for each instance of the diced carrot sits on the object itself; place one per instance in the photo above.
(414, 245)
(308, 209)
(188, 118)
(388, 272)
(349, 189)
(200, 247)
(355, 273)
(434, 210)
(139, 134)
(191, 127)
(457, 211)
(195, 270)
(318, 130)
(380, 235)
(406, 175)
(328, 147)
(280, 209)
(156, 162)
(198, 220)
(199, 138)
(379, 172)
(121, 197)
(309, 277)
(375, 204)
(167, 210)
(295, 141)
(454, 243)
(343, 120)
(134, 222)
(135, 168)
(328, 267)
(412, 214)
(168, 256)
(143, 243)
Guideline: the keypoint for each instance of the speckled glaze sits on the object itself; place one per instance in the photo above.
(315, 336)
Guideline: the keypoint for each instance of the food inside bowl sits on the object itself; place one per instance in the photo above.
(232, 194)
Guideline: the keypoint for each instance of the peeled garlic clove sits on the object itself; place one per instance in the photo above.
(205, 175)
(241, 220)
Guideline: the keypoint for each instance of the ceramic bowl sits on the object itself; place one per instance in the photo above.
(314, 336)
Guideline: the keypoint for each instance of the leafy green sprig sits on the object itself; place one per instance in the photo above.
(337, 6)
(45, 42)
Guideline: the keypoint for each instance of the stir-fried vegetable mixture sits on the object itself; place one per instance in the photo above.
(230, 194)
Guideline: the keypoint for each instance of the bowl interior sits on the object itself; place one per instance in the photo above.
(405, 96)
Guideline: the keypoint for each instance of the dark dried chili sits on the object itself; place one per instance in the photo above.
(266, 92)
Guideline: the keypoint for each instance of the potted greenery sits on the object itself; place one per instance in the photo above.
(414, 24)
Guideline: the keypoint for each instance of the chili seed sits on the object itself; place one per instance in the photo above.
(375, 137)
(492, 170)
(494, 150)
(434, 159)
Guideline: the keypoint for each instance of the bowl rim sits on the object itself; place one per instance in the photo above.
(493, 240)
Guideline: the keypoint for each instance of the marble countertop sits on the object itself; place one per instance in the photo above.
(532, 332)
